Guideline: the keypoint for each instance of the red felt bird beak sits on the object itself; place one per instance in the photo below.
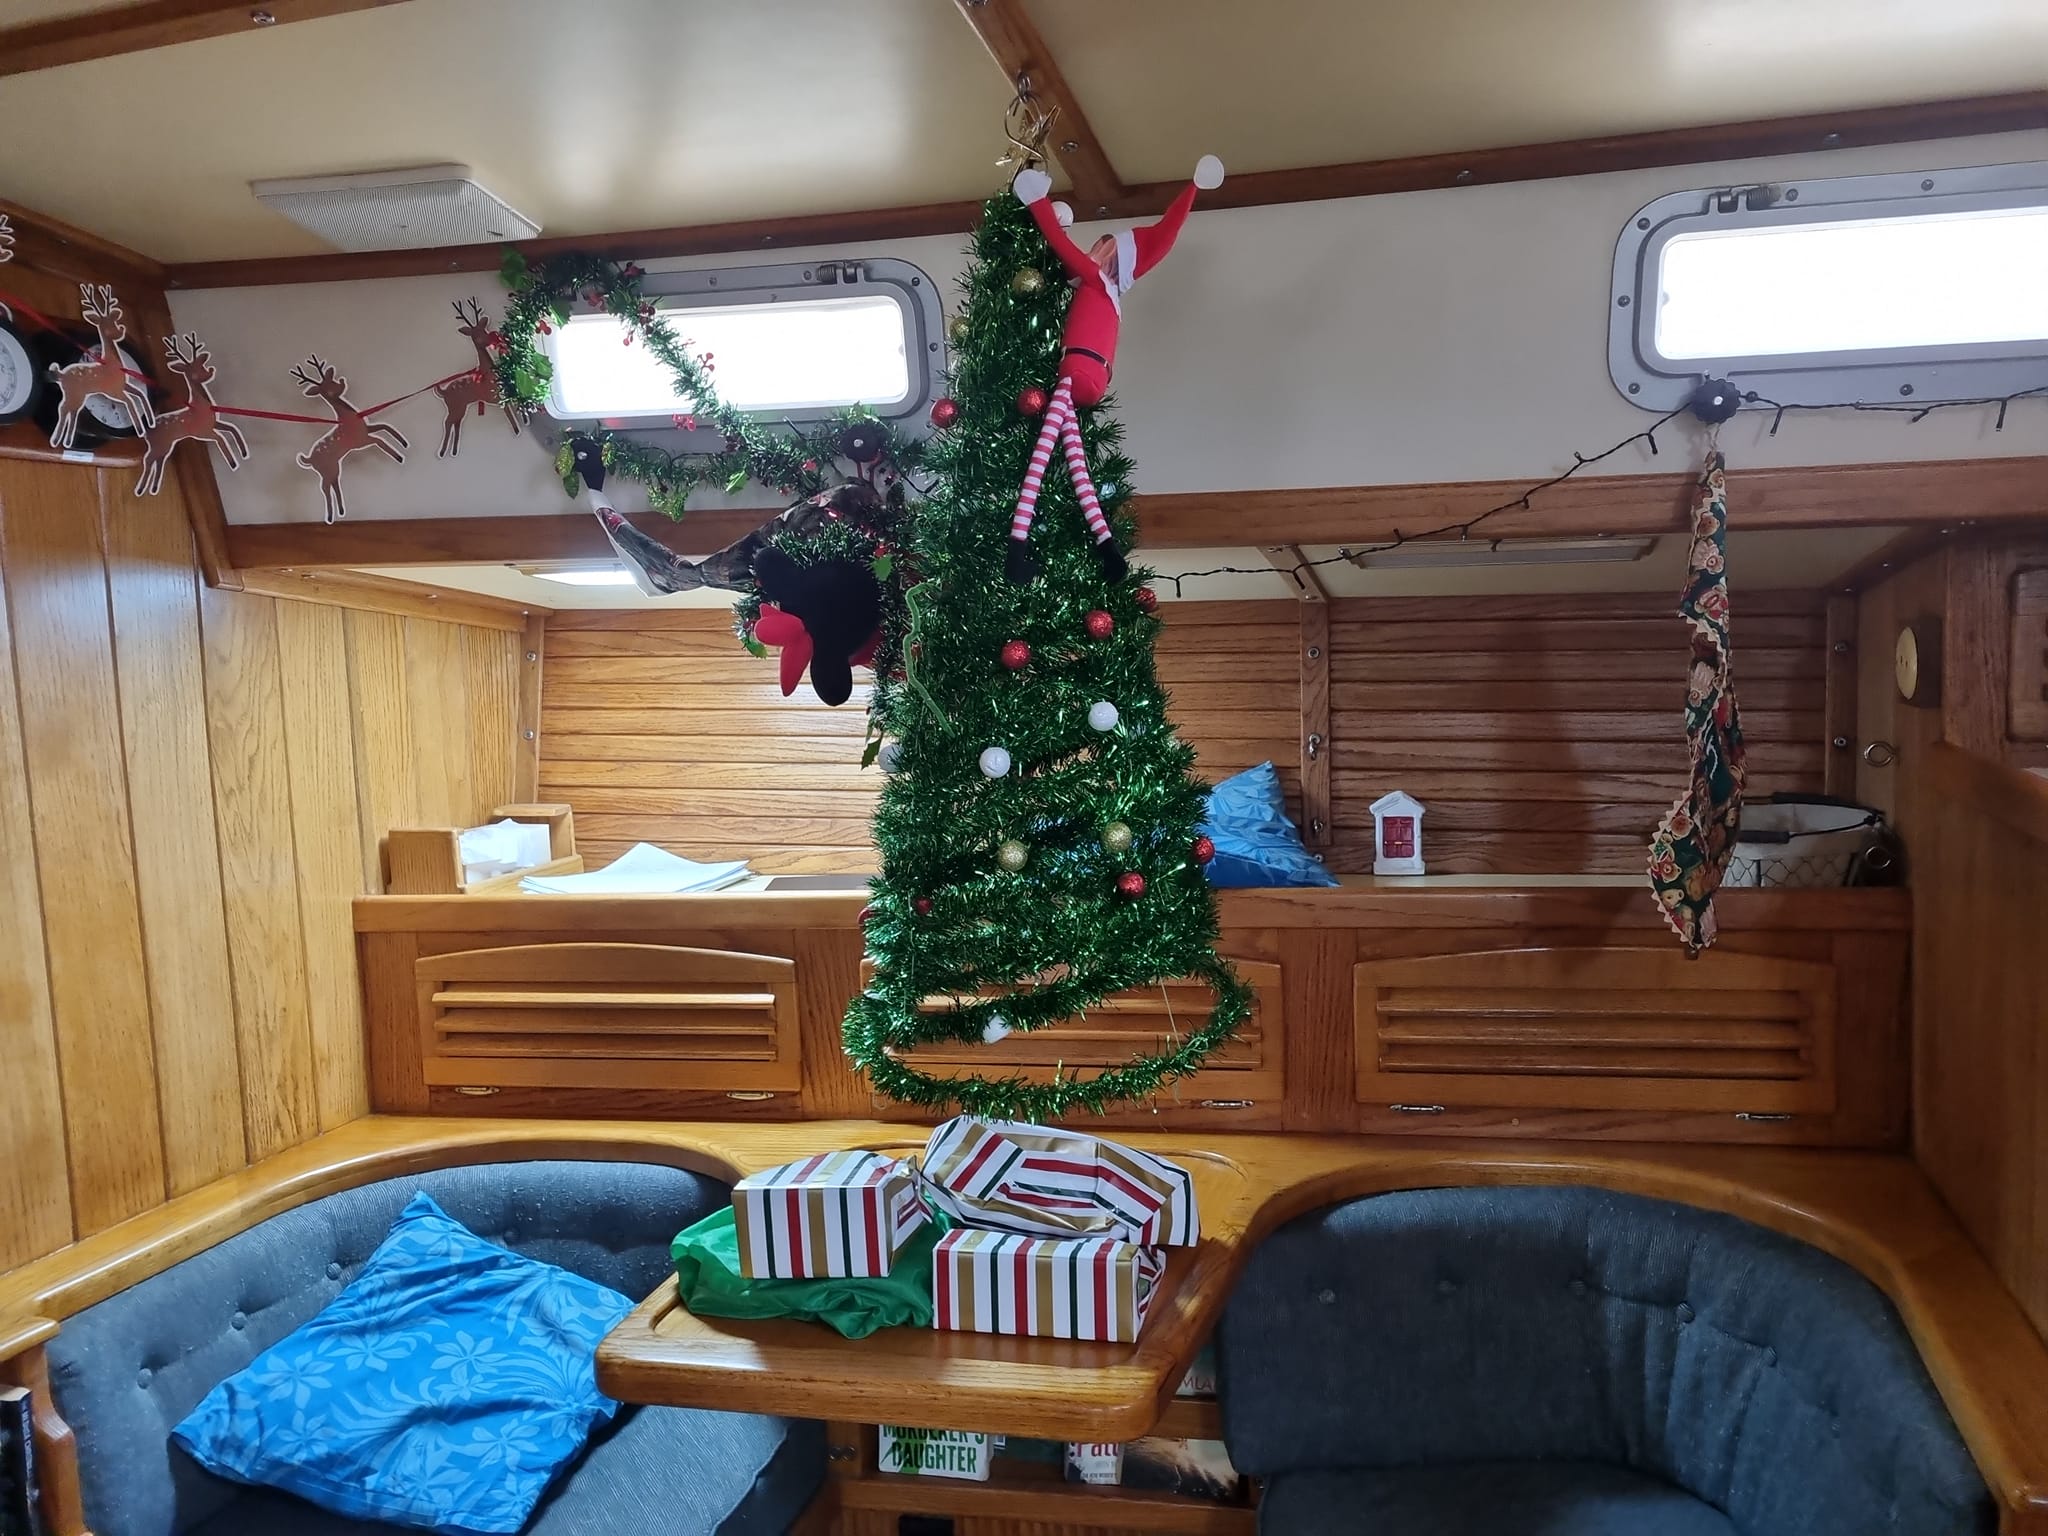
(786, 630)
(865, 656)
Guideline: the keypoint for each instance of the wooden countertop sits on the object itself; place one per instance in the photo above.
(1428, 901)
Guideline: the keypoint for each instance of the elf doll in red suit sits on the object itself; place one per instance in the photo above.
(1102, 274)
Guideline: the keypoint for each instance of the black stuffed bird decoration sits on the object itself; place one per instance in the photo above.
(836, 609)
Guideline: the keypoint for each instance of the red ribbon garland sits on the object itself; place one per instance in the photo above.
(35, 318)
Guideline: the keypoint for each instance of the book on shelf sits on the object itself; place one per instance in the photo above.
(19, 1512)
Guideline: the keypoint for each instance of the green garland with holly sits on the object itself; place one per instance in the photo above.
(795, 461)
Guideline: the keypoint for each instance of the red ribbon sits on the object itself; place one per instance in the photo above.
(35, 318)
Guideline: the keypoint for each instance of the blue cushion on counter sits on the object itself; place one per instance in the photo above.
(447, 1387)
(1255, 842)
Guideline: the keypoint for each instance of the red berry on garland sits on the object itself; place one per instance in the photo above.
(1147, 599)
(1016, 655)
(945, 412)
(1031, 400)
(1099, 624)
(923, 904)
(1205, 850)
(1130, 883)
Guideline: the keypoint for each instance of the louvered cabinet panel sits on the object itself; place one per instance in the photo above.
(608, 1016)
(1605, 1028)
(2029, 677)
(1247, 1068)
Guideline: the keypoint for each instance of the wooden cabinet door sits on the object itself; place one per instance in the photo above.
(608, 1016)
(1597, 1028)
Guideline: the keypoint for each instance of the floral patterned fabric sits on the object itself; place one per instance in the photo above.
(445, 1388)
(1689, 852)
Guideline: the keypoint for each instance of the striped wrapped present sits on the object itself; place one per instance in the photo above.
(1050, 1287)
(836, 1215)
(1057, 1183)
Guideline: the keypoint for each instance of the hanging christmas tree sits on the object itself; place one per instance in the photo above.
(1038, 826)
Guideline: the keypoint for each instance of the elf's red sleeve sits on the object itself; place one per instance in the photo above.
(1077, 261)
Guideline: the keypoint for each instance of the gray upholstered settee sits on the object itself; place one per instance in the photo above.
(127, 1370)
(1575, 1362)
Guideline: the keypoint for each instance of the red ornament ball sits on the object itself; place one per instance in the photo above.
(1147, 599)
(1099, 624)
(1130, 883)
(867, 915)
(923, 906)
(1205, 850)
(1031, 400)
(945, 412)
(1016, 655)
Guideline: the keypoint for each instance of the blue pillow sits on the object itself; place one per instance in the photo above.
(446, 1387)
(1255, 842)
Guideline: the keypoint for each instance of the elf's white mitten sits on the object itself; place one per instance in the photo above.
(1208, 173)
(1031, 184)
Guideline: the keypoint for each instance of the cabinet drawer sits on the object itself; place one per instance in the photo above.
(1606, 1028)
(608, 1016)
(1247, 1067)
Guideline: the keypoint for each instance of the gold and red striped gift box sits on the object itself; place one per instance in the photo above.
(1056, 1182)
(1097, 1288)
(837, 1215)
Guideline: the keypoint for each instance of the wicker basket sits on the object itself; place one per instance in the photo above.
(1807, 840)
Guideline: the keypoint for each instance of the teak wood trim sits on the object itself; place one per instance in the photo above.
(1947, 492)
(62, 1504)
(136, 28)
(532, 657)
(64, 250)
(1012, 40)
(1316, 812)
(2010, 795)
(1838, 759)
(1959, 118)
(386, 594)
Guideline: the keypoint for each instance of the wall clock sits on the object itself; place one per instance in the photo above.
(20, 377)
(1916, 663)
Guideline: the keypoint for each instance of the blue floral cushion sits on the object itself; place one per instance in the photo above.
(446, 1387)
(1255, 842)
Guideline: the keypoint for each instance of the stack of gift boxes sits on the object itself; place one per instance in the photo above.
(1051, 1233)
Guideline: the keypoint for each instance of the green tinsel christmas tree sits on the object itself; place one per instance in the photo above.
(1038, 828)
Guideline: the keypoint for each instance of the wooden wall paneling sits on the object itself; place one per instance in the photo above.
(1885, 723)
(85, 851)
(1976, 648)
(437, 686)
(398, 1074)
(491, 666)
(35, 1192)
(319, 737)
(266, 931)
(1873, 1037)
(828, 977)
(532, 658)
(1315, 724)
(387, 792)
(1315, 967)
(2029, 682)
(154, 602)
(1838, 730)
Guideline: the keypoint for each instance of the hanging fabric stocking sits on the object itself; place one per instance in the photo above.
(1690, 849)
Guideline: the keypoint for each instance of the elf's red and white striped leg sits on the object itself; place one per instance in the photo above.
(1019, 566)
(1106, 551)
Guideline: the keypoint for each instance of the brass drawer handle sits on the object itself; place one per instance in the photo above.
(478, 1093)
(1227, 1104)
(1759, 1116)
(749, 1095)
(1416, 1109)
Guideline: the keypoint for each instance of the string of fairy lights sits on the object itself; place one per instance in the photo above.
(1712, 402)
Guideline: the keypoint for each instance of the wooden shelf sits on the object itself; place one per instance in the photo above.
(26, 440)
(1048, 1500)
(1190, 1418)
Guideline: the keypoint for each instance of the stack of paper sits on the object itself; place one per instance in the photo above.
(641, 870)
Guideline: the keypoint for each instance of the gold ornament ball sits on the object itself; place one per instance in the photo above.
(1116, 837)
(1013, 855)
(1027, 281)
(956, 329)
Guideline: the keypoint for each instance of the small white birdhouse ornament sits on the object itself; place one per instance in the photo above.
(1397, 834)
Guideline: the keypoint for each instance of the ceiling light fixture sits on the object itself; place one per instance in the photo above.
(608, 575)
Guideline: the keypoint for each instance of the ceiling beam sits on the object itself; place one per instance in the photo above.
(1527, 162)
(1290, 562)
(147, 24)
(1941, 492)
(1013, 41)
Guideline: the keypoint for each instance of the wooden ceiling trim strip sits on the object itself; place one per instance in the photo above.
(63, 250)
(147, 24)
(1948, 492)
(1528, 162)
(1014, 42)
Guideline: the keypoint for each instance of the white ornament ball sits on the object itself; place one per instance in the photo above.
(891, 757)
(995, 761)
(1102, 715)
(994, 1030)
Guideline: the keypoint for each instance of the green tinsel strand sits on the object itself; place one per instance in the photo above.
(1057, 937)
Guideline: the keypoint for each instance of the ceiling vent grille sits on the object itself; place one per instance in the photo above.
(429, 205)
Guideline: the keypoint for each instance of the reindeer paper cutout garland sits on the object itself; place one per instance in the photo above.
(351, 433)
(478, 387)
(100, 371)
(196, 421)
(6, 255)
